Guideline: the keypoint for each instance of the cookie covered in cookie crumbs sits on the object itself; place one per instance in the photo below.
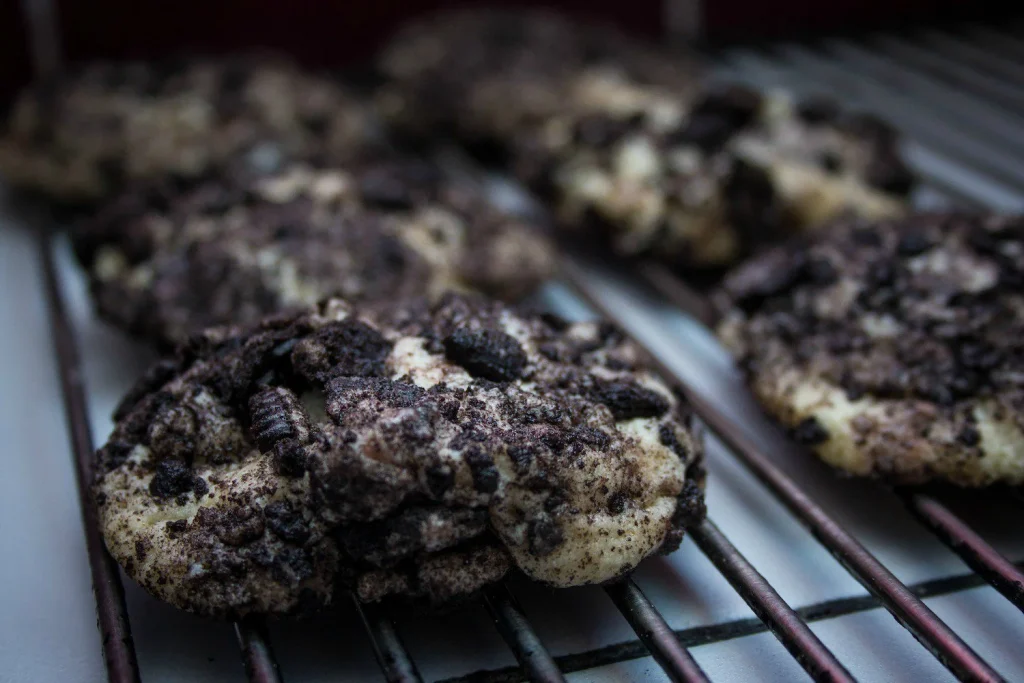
(892, 349)
(106, 125)
(701, 181)
(631, 146)
(419, 453)
(165, 261)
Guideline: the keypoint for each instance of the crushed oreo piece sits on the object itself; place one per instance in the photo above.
(490, 354)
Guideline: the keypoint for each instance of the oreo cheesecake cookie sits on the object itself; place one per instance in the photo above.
(892, 349)
(420, 453)
(165, 262)
(700, 183)
(483, 76)
(631, 147)
(80, 141)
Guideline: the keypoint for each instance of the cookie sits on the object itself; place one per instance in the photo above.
(629, 145)
(80, 141)
(418, 453)
(700, 183)
(892, 349)
(165, 261)
(483, 75)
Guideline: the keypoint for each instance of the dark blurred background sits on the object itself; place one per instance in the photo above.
(339, 33)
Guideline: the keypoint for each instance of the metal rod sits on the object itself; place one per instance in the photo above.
(1011, 48)
(394, 660)
(992, 124)
(984, 60)
(816, 659)
(654, 633)
(257, 657)
(911, 612)
(663, 281)
(514, 627)
(111, 612)
(1002, 574)
(942, 66)
(957, 196)
(44, 40)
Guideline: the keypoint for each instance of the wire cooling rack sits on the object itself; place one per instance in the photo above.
(819, 561)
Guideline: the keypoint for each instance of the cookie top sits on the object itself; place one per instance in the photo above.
(110, 123)
(703, 180)
(420, 453)
(484, 74)
(165, 261)
(892, 348)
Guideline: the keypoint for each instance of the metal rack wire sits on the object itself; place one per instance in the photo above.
(828, 69)
(395, 662)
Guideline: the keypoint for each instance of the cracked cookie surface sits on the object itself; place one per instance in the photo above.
(421, 453)
(892, 349)
(166, 261)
